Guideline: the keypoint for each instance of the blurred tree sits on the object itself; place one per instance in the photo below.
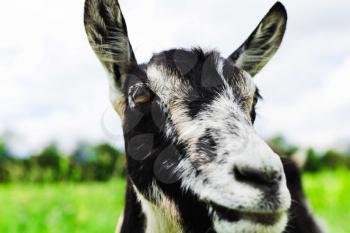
(333, 159)
(4, 151)
(281, 146)
(82, 163)
(106, 157)
(120, 165)
(313, 161)
(4, 160)
(51, 162)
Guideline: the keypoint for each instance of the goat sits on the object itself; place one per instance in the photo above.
(194, 161)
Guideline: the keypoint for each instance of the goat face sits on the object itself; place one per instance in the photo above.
(188, 125)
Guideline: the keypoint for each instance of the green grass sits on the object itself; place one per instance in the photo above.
(61, 208)
(329, 196)
(95, 207)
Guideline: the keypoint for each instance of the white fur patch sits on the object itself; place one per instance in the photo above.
(164, 84)
(119, 224)
(161, 216)
(245, 226)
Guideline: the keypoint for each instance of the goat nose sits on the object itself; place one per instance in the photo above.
(263, 179)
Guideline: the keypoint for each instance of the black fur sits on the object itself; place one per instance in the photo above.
(134, 219)
(202, 75)
(300, 218)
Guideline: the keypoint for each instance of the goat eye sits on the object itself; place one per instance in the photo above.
(254, 103)
(142, 99)
(140, 95)
(253, 112)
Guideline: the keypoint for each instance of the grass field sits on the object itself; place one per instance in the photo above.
(95, 207)
(60, 208)
(329, 196)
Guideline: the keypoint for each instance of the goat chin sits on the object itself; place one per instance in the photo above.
(245, 226)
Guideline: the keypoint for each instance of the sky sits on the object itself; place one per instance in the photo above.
(53, 89)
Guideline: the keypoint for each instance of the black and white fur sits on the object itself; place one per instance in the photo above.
(194, 161)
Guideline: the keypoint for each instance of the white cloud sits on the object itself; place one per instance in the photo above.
(53, 87)
(317, 117)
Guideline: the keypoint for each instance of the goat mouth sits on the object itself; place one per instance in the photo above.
(232, 215)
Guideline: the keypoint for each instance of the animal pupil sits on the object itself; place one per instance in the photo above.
(194, 161)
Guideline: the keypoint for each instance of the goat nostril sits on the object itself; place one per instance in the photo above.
(256, 177)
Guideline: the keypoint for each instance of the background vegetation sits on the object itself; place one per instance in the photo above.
(83, 191)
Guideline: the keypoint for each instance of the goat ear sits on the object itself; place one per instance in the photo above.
(263, 43)
(108, 36)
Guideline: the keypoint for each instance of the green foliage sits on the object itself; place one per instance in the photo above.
(4, 161)
(106, 160)
(315, 161)
(4, 151)
(330, 160)
(281, 146)
(86, 163)
(335, 159)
